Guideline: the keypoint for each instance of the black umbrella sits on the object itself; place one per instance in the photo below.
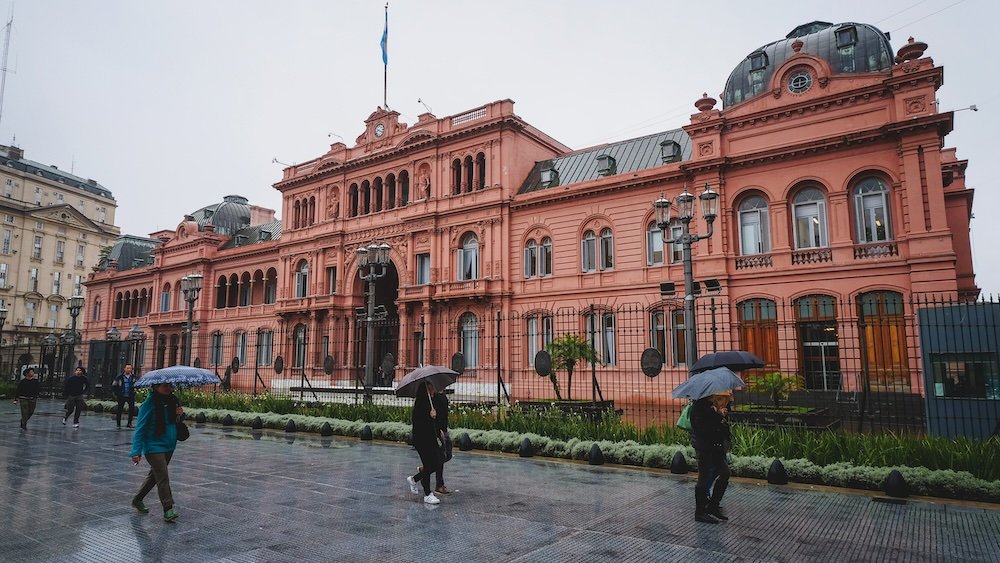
(735, 360)
(439, 376)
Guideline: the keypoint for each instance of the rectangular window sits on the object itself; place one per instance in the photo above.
(81, 251)
(679, 334)
(264, 347)
(33, 280)
(658, 334)
(676, 248)
(38, 196)
(331, 280)
(60, 251)
(3, 275)
(29, 316)
(53, 316)
(77, 284)
(545, 258)
(588, 252)
(215, 354)
(7, 235)
(654, 246)
(608, 339)
(532, 334)
(468, 263)
(164, 301)
(36, 248)
(423, 269)
(60, 198)
(548, 334)
(8, 219)
(241, 348)
(8, 189)
(607, 252)
(101, 214)
(530, 260)
(57, 283)
(966, 375)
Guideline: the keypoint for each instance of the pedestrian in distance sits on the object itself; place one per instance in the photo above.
(75, 389)
(425, 441)
(711, 439)
(27, 395)
(124, 389)
(155, 437)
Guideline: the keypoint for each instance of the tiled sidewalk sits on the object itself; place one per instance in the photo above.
(288, 497)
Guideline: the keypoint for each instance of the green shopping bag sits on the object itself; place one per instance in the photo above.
(684, 422)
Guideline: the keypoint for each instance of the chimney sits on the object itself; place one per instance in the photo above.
(15, 153)
(91, 182)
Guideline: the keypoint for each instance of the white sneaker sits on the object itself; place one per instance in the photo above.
(414, 488)
(64, 421)
(431, 499)
(76, 425)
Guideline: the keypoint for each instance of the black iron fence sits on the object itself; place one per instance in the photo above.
(873, 364)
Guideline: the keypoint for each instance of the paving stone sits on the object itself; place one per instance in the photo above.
(67, 492)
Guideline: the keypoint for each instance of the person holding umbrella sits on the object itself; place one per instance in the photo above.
(425, 441)
(711, 439)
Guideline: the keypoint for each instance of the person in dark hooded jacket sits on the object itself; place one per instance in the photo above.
(425, 441)
(711, 439)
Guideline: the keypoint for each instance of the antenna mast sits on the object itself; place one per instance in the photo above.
(3, 65)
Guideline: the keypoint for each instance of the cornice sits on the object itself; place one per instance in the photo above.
(624, 183)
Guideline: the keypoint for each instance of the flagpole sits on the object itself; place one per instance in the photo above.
(385, 60)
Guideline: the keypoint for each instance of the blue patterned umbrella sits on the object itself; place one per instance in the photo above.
(178, 376)
(707, 383)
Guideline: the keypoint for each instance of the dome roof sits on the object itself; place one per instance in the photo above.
(229, 216)
(847, 47)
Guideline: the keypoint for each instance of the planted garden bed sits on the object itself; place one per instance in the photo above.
(798, 417)
(594, 409)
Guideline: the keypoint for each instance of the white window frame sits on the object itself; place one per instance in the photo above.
(468, 258)
(545, 258)
(654, 245)
(531, 259)
(607, 250)
(809, 219)
(469, 333)
(302, 280)
(3, 275)
(36, 247)
(215, 351)
(241, 347)
(588, 252)
(872, 194)
(756, 218)
(423, 269)
(56, 283)
(265, 347)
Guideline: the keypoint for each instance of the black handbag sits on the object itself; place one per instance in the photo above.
(182, 432)
(444, 446)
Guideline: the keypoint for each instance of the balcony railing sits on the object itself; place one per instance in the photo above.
(812, 256)
(876, 250)
(754, 261)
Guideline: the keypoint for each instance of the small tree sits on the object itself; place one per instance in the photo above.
(566, 351)
(777, 385)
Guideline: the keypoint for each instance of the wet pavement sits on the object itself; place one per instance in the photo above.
(295, 497)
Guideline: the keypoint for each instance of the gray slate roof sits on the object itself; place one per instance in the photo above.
(253, 235)
(630, 156)
(131, 252)
(228, 216)
(52, 173)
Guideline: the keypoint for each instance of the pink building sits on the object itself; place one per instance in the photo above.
(839, 204)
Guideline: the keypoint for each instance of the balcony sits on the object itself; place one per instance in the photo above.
(753, 262)
(812, 256)
(417, 292)
(466, 289)
(876, 250)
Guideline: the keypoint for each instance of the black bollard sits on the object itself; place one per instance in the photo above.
(526, 450)
(290, 427)
(596, 456)
(776, 475)
(257, 423)
(326, 429)
(227, 421)
(366, 433)
(895, 485)
(679, 465)
(464, 442)
(200, 418)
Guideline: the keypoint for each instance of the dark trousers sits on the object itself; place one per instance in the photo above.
(74, 406)
(121, 404)
(431, 461)
(27, 409)
(158, 477)
(713, 478)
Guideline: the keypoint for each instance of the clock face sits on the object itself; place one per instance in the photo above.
(379, 130)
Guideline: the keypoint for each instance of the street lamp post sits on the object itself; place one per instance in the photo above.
(190, 287)
(75, 306)
(49, 344)
(372, 265)
(685, 212)
(113, 336)
(137, 338)
(3, 320)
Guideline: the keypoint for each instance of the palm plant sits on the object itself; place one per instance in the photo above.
(777, 385)
(566, 351)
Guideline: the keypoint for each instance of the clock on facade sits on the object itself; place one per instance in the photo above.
(379, 130)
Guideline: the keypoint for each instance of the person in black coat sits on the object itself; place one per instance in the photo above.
(440, 403)
(75, 389)
(27, 395)
(711, 439)
(425, 441)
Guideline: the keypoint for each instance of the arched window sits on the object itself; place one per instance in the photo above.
(654, 245)
(302, 279)
(352, 193)
(232, 298)
(118, 305)
(265, 347)
(883, 355)
(143, 302)
(469, 329)
(758, 330)
(819, 350)
(809, 212)
(245, 289)
(545, 258)
(531, 259)
(97, 310)
(588, 252)
(600, 331)
(456, 176)
(296, 222)
(127, 305)
(165, 298)
(404, 187)
(468, 258)
(377, 191)
(468, 180)
(312, 210)
(271, 286)
(871, 211)
(480, 171)
(299, 350)
(607, 250)
(755, 235)
(390, 191)
(366, 198)
(221, 291)
(215, 352)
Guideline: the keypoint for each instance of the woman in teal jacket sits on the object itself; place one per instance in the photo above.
(156, 437)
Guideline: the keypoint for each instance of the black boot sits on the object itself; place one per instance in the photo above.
(715, 510)
(701, 513)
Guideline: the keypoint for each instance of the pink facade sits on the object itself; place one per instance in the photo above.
(834, 185)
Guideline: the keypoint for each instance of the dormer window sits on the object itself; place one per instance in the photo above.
(847, 36)
(241, 240)
(606, 165)
(758, 61)
(264, 235)
(670, 151)
(550, 177)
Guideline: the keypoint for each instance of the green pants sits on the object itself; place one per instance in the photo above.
(158, 478)
(27, 409)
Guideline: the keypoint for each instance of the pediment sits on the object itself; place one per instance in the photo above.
(65, 214)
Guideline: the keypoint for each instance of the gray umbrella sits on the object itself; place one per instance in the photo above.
(439, 376)
(718, 380)
(735, 360)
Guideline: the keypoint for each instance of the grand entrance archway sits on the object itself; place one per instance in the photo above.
(386, 330)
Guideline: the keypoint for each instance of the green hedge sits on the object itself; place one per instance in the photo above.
(923, 481)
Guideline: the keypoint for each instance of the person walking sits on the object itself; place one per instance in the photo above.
(711, 439)
(425, 441)
(440, 403)
(26, 395)
(124, 389)
(156, 437)
(75, 389)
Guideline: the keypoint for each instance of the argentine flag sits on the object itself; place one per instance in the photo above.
(385, 40)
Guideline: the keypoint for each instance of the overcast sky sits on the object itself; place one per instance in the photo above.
(173, 104)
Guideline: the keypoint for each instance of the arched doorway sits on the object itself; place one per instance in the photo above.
(386, 330)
